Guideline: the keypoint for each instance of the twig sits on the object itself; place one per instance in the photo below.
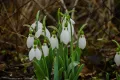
(15, 12)
(8, 16)
(63, 4)
(45, 11)
(72, 15)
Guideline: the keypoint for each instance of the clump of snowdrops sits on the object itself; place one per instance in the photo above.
(52, 52)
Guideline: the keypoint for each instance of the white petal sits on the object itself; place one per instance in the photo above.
(30, 41)
(38, 33)
(82, 42)
(39, 25)
(65, 37)
(69, 28)
(47, 33)
(45, 49)
(54, 42)
(117, 59)
(72, 21)
(38, 54)
(31, 54)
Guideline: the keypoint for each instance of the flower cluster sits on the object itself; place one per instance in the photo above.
(32, 41)
(37, 29)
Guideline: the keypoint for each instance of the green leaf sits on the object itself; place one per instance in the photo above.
(56, 77)
(61, 63)
(39, 72)
(60, 72)
(77, 54)
(37, 75)
(107, 76)
(117, 76)
(46, 67)
(44, 23)
(66, 57)
(37, 16)
(78, 72)
(72, 65)
(37, 19)
(50, 61)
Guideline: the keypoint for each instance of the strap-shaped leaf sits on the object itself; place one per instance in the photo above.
(72, 65)
(56, 69)
(78, 72)
(39, 72)
(60, 72)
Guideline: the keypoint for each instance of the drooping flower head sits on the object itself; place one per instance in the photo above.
(65, 36)
(54, 41)
(30, 41)
(45, 49)
(82, 42)
(45, 32)
(35, 52)
(117, 58)
(68, 23)
(33, 26)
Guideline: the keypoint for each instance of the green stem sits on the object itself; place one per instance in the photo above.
(71, 47)
(116, 43)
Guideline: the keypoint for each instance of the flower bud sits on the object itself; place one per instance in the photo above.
(30, 41)
(82, 42)
(117, 59)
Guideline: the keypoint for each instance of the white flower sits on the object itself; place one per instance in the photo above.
(117, 59)
(30, 41)
(82, 42)
(47, 33)
(72, 21)
(40, 26)
(65, 37)
(54, 42)
(38, 33)
(45, 49)
(69, 25)
(35, 52)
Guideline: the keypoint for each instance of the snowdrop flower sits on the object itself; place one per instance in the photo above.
(117, 59)
(45, 49)
(69, 25)
(35, 52)
(30, 41)
(40, 25)
(38, 33)
(54, 41)
(82, 42)
(47, 33)
(65, 37)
